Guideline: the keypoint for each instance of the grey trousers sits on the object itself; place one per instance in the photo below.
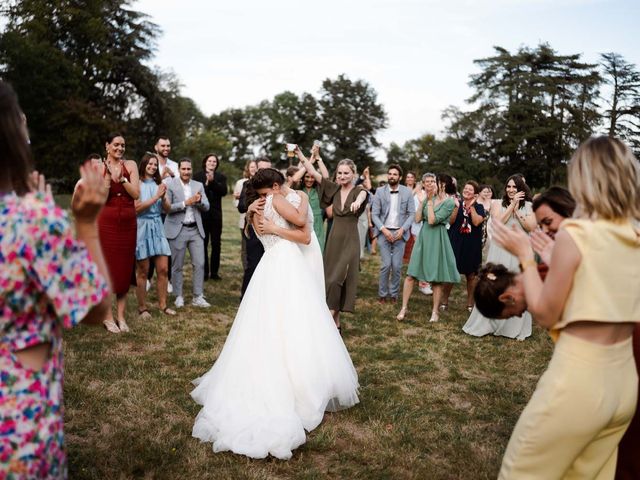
(188, 238)
(391, 258)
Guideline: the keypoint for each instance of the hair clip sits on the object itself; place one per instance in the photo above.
(491, 276)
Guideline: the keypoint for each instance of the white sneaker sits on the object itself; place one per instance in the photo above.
(169, 288)
(179, 303)
(199, 301)
(426, 289)
(148, 285)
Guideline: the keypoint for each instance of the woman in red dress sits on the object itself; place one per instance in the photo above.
(117, 225)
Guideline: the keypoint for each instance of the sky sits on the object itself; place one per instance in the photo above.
(416, 54)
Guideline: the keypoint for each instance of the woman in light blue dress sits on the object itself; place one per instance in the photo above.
(152, 242)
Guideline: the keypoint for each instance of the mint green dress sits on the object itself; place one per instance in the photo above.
(432, 259)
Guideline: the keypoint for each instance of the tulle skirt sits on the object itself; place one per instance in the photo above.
(283, 364)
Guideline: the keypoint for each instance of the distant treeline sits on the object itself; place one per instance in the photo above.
(81, 73)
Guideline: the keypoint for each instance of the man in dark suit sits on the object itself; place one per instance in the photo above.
(255, 249)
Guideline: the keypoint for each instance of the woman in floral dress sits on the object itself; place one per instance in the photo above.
(49, 280)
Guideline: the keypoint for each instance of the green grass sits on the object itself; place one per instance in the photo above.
(435, 403)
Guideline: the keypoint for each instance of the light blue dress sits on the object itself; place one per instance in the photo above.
(151, 238)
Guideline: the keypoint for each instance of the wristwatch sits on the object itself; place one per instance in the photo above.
(124, 180)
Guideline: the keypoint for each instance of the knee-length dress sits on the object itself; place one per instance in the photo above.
(47, 282)
(342, 250)
(151, 238)
(117, 228)
(514, 327)
(466, 240)
(432, 258)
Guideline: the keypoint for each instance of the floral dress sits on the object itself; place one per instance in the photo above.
(47, 282)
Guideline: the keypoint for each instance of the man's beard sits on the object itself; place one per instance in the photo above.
(393, 183)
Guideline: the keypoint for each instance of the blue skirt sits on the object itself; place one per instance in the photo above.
(151, 238)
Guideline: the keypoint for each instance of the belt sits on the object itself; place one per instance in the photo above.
(190, 225)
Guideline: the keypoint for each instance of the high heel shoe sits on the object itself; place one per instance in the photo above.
(434, 317)
(401, 315)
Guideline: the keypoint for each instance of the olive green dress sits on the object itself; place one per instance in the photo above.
(342, 250)
(432, 259)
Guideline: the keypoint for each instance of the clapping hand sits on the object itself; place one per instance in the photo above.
(543, 245)
(39, 184)
(517, 198)
(90, 195)
(162, 189)
(514, 240)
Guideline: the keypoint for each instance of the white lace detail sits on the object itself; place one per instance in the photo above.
(269, 240)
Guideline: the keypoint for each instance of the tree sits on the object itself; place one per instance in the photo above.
(623, 113)
(532, 109)
(79, 70)
(350, 119)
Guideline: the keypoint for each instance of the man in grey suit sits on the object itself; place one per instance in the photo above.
(392, 214)
(183, 228)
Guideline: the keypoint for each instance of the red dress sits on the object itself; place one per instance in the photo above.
(117, 227)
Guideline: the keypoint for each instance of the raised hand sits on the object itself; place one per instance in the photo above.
(90, 195)
(39, 184)
(514, 240)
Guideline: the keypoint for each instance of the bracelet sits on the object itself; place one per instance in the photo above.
(528, 263)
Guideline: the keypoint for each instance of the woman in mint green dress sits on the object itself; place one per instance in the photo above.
(432, 259)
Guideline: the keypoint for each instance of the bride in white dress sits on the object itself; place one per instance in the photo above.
(284, 363)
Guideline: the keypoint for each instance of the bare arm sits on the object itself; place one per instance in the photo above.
(476, 218)
(545, 300)
(133, 185)
(289, 212)
(308, 166)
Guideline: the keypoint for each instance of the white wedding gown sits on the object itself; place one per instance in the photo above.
(311, 253)
(283, 363)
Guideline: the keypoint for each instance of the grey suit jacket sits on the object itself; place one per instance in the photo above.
(382, 203)
(175, 216)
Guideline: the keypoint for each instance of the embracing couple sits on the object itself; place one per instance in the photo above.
(284, 363)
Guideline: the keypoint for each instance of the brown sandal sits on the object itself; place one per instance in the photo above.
(111, 326)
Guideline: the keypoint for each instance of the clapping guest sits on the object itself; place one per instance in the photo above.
(392, 214)
(50, 279)
(432, 259)
(342, 250)
(514, 211)
(215, 187)
(465, 234)
(586, 398)
(250, 169)
(152, 243)
(117, 225)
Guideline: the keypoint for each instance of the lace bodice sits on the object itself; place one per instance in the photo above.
(294, 199)
(269, 240)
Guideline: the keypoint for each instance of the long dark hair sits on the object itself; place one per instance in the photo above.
(142, 167)
(15, 153)
(447, 180)
(493, 280)
(559, 200)
(264, 178)
(521, 186)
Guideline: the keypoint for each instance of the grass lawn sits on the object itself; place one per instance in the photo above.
(435, 403)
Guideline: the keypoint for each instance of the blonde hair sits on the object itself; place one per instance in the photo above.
(604, 179)
(245, 172)
(349, 163)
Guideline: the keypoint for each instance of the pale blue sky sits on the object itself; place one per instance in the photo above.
(417, 55)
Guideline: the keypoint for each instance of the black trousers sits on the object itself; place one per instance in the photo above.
(255, 250)
(212, 224)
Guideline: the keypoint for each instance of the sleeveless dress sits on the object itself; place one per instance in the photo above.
(312, 252)
(283, 364)
(117, 228)
(151, 238)
(514, 327)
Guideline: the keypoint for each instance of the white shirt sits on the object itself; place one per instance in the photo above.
(392, 216)
(189, 215)
(172, 166)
